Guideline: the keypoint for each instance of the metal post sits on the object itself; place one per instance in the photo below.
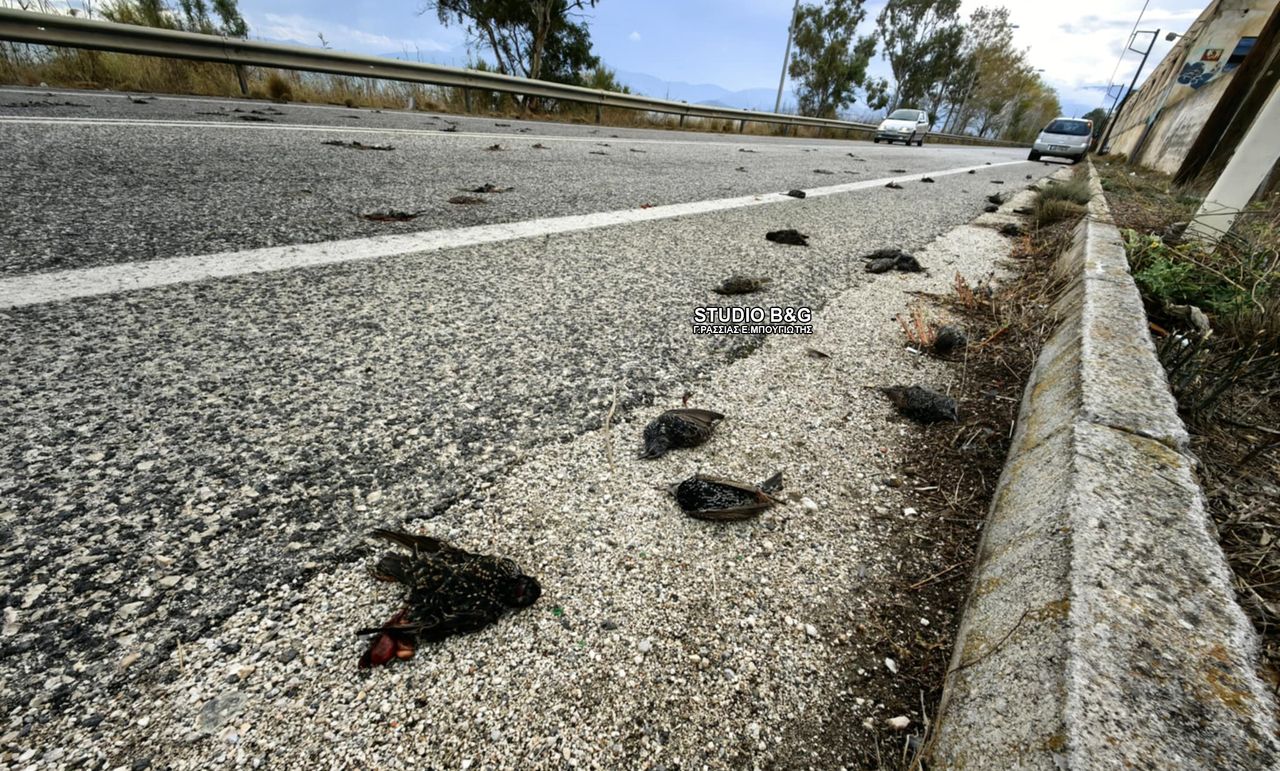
(682, 121)
(791, 28)
(466, 99)
(599, 115)
(1253, 159)
(1113, 116)
(742, 124)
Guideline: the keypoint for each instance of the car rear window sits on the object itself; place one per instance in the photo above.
(1075, 128)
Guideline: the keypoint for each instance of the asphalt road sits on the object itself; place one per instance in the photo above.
(169, 455)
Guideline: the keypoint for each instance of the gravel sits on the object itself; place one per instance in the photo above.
(271, 407)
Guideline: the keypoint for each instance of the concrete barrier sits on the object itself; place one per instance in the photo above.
(1101, 630)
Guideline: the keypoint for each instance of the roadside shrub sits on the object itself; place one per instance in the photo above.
(1075, 190)
(278, 88)
(1049, 211)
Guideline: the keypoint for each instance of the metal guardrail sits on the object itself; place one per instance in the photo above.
(72, 32)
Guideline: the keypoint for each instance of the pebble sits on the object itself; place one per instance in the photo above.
(645, 645)
(809, 504)
(891, 665)
(910, 512)
(898, 723)
(811, 630)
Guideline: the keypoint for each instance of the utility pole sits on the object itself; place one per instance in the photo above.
(1164, 98)
(1114, 116)
(1253, 160)
(782, 81)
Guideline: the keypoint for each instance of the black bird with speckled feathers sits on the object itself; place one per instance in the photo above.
(678, 429)
(451, 591)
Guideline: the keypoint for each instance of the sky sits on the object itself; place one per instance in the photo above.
(739, 44)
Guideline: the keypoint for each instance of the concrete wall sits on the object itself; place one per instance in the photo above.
(1102, 630)
(1188, 83)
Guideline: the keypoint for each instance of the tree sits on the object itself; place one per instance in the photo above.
(829, 62)
(922, 40)
(191, 16)
(1099, 118)
(533, 38)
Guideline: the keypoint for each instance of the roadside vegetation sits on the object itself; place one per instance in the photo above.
(1215, 319)
(1006, 323)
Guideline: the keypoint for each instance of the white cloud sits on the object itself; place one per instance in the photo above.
(307, 31)
(1077, 45)
(634, 37)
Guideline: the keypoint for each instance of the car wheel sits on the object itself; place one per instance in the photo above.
(1034, 156)
(876, 140)
(1075, 160)
(920, 142)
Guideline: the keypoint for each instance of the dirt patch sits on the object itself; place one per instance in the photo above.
(950, 473)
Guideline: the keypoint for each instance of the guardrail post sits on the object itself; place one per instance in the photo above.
(682, 121)
(466, 99)
(820, 128)
(244, 84)
(786, 128)
(742, 124)
(599, 115)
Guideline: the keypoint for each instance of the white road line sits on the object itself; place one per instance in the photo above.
(40, 288)
(510, 137)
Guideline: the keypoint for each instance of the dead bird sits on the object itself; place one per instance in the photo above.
(949, 339)
(795, 193)
(926, 179)
(724, 500)
(894, 186)
(823, 171)
(495, 148)
(737, 284)
(489, 188)
(678, 429)
(995, 198)
(393, 215)
(540, 146)
(897, 171)
(885, 260)
(991, 208)
(973, 171)
(466, 200)
(922, 404)
(788, 236)
(1011, 229)
(451, 591)
(356, 145)
(741, 168)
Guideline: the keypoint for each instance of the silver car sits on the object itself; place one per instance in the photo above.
(910, 126)
(1063, 138)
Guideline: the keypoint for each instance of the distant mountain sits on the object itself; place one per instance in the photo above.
(703, 93)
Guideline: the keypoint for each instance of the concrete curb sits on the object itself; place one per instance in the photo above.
(1101, 629)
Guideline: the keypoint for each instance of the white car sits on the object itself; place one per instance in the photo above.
(1064, 138)
(909, 126)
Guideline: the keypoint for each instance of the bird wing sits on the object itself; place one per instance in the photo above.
(424, 546)
(733, 514)
(704, 418)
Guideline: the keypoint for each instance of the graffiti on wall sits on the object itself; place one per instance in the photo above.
(1208, 63)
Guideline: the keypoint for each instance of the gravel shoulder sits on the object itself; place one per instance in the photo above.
(659, 641)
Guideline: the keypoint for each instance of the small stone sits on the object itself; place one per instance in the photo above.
(909, 512)
(894, 481)
(169, 582)
(130, 660)
(287, 655)
(809, 504)
(374, 496)
(231, 648)
(609, 625)
(891, 665)
(92, 721)
(645, 645)
(141, 764)
(811, 630)
(10, 622)
(898, 723)
(245, 671)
